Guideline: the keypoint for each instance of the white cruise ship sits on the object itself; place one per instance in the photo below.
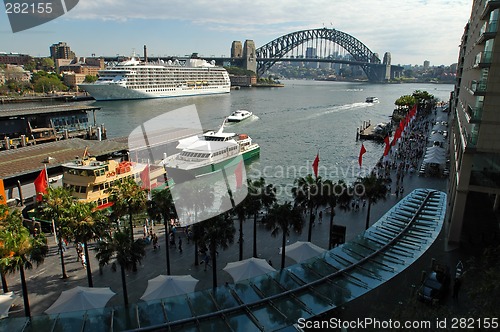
(134, 79)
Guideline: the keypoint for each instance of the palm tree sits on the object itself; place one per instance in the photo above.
(241, 212)
(162, 206)
(283, 218)
(373, 190)
(335, 194)
(87, 224)
(128, 253)
(260, 196)
(4, 213)
(218, 233)
(55, 206)
(307, 195)
(195, 197)
(19, 250)
(128, 197)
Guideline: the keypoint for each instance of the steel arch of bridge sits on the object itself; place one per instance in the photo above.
(277, 49)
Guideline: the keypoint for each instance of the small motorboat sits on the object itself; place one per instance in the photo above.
(371, 100)
(239, 115)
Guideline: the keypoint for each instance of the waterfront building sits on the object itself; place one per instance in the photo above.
(474, 191)
(15, 59)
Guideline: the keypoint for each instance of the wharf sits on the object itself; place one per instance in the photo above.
(369, 131)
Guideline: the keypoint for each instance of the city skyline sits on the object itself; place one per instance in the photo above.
(413, 31)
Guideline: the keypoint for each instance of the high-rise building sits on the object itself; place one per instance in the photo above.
(61, 50)
(474, 190)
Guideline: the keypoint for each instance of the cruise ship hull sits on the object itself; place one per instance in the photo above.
(118, 92)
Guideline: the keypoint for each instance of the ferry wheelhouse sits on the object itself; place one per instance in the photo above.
(90, 180)
(210, 152)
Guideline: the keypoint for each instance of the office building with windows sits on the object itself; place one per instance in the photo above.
(474, 190)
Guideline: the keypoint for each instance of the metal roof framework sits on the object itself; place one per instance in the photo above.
(278, 299)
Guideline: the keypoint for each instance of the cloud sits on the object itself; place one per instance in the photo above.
(416, 26)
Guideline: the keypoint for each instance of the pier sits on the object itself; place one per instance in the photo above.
(370, 131)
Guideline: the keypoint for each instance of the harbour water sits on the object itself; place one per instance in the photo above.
(291, 124)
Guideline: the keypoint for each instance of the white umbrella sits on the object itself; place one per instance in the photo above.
(301, 250)
(81, 298)
(248, 268)
(436, 137)
(434, 159)
(5, 303)
(165, 286)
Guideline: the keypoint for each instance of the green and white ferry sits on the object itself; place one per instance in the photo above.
(210, 152)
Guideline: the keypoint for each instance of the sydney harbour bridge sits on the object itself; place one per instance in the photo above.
(315, 46)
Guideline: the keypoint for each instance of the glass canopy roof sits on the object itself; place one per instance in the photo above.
(278, 299)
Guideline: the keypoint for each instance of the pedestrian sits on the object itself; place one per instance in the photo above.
(456, 287)
(180, 245)
(320, 216)
(206, 260)
(155, 241)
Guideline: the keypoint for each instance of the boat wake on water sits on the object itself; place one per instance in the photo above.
(339, 108)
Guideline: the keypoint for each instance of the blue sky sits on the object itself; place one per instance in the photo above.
(412, 30)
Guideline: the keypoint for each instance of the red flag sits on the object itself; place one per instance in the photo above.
(146, 181)
(41, 185)
(238, 172)
(315, 165)
(361, 153)
(387, 145)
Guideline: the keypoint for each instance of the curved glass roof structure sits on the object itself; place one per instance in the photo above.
(278, 299)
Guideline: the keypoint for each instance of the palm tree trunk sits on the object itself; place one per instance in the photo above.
(214, 265)
(196, 262)
(167, 249)
(131, 224)
(87, 264)
(124, 286)
(63, 266)
(27, 311)
(309, 233)
(283, 244)
(241, 240)
(5, 287)
(368, 214)
(332, 214)
(255, 235)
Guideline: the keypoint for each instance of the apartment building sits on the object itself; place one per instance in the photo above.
(474, 191)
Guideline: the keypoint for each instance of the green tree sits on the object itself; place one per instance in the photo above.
(19, 250)
(55, 206)
(47, 64)
(128, 198)
(335, 194)
(307, 195)
(90, 78)
(48, 84)
(162, 207)
(218, 233)
(87, 223)
(283, 218)
(373, 190)
(126, 251)
(260, 196)
(195, 197)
